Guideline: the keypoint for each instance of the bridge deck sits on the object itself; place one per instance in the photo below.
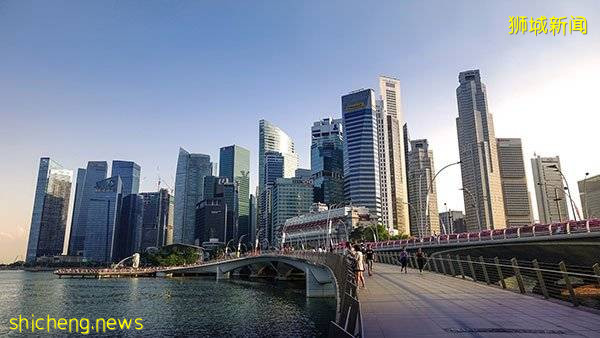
(396, 305)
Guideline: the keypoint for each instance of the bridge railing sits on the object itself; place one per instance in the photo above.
(535, 230)
(348, 321)
(579, 285)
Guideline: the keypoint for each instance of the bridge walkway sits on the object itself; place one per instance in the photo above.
(434, 305)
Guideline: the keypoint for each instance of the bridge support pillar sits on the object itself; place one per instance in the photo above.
(319, 282)
(221, 274)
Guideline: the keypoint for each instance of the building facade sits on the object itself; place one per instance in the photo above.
(423, 195)
(50, 210)
(189, 188)
(549, 190)
(361, 151)
(517, 204)
(211, 217)
(129, 172)
(452, 221)
(157, 221)
(589, 195)
(225, 190)
(235, 166)
(128, 230)
(480, 170)
(327, 161)
(290, 197)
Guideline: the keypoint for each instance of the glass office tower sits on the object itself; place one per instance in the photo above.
(129, 172)
(327, 161)
(235, 166)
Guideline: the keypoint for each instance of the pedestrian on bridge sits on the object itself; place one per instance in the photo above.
(370, 255)
(360, 266)
(403, 260)
(420, 260)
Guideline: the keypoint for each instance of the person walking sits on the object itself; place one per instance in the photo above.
(370, 255)
(403, 260)
(420, 260)
(360, 266)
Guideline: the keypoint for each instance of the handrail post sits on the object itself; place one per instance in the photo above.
(485, 274)
(596, 268)
(451, 266)
(565, 274)
(500, 274)
(518, 275)
(568, 227)
(434, 259)
(471, 268)
(536, 267)
(460, 267)
(443, 265)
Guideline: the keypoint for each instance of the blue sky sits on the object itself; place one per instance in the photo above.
(102, 80)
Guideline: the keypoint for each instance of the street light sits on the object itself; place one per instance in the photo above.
(240, 244)
(555, 167)
(474, 206)
(587, 212)
(431, 188)
(227, 246)
(556, 199)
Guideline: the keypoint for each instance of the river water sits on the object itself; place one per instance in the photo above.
(186, 306)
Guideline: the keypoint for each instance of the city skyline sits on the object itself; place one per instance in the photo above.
(432, 120)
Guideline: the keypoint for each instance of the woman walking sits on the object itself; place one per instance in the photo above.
(420, 260)
(360, 266)
(403, 260)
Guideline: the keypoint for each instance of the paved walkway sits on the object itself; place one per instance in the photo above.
(409, 305)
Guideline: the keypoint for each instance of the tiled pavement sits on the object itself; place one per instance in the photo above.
(433, 305)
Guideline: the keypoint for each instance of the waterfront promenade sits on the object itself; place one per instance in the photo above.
(434, 305)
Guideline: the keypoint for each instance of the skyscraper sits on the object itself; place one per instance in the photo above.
(290, 197)
(549, 189)
(221, 188)
(128, 230)
(327, 161)
(157, 222)
(396, 151)
(189, 187)
(129, 172)
(589, 195)
(103, 210)
(94, 172)
(517, 206)
(50, 210)
(384, 166)
(361, 151)
(274, 169)
(478, 155)
(424, 219)
(235, 166)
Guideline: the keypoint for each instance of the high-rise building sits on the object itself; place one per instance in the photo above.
(225, 190)
(396, 151)
(452, 221)
(157, 221)
(274, 169)
(290, 197)
(549, 189)
(50, 210)
(103, 210)
(361, 151)
(327, 161)
(235, 166)
(478, 155)
(423, 195)
(253, 220)
(129, 172)
(589, 195)
(95, 172)
(189, 187)
(517, 205)
(272, 140)
(211, 217)
(302, 173)
(128, 230)
(384, 166)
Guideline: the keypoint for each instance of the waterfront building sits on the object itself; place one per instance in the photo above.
(86, 183)
(424, 219)
(589, 195)
(129, 172)
(50, 210)
(550, 191)
(312, 229)
(290, 197)
(189, 187)
(157, 221)
(103, 210)
(274, 169)
(394, 152)
(211, 217)
(235, 166)
(480, 170)
(384, 166)
(128, 230)
(517, 205)
(327, 161)
(361, 151)
(221, 188)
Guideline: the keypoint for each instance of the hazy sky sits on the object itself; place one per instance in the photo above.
(135, 80)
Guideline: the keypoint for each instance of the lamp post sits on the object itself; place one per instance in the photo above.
(556, 199)
(374, 233)
(227, 247)
(240, 244)
(586, 210)
(431, 187)
(555, 167)
(474, 206)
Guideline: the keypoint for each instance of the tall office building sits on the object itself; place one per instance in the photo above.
(253, 219)
(290, 197)
(384, 166)
(50, 209)
(361, 151)
(157, 221)
(189, 187)
(95, 171)
(395, 152)
(424, 220)
(235, 165)
(517, 206)
(129, 172)
(589, 195)
(274, 169)
(221, 188)
(302, 173)
(327, 161)
(549, 190)
(478, 155)
(452, 221)
(103, 210)
(128, 230)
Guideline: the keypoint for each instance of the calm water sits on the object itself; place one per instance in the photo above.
(191, 306)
